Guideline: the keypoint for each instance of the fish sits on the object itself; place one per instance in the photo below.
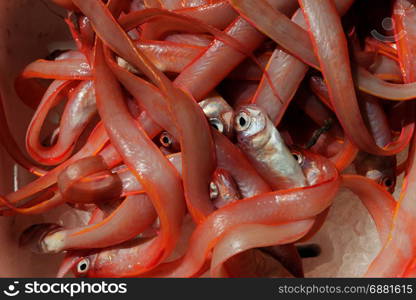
(262, 143)
(219, 113)
(223, 188)
(381, 169)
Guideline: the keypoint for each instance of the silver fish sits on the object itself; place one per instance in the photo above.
(219, 113)
(264, 146)
(223, 188)
(381, 169)
(169, 144)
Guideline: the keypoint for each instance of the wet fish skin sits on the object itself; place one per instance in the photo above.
(262, 143)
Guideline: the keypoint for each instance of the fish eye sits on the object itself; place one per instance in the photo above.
(387, 182)
(242, 121)
(83, 266)
(298, 157)
(213, 190)
(217, 124)
(165, 139)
